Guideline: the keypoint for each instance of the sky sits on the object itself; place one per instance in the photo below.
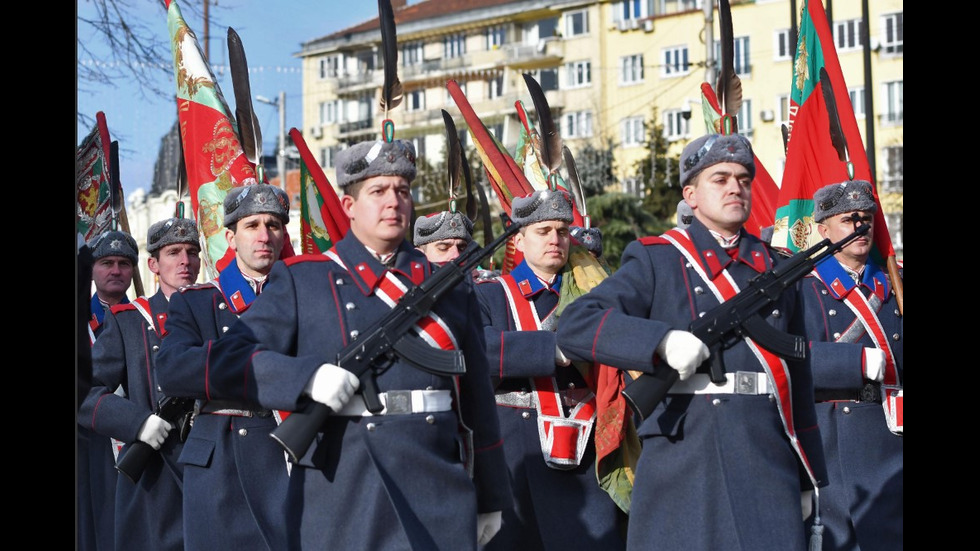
(271, 32)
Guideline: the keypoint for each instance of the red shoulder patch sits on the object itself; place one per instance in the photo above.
(122, 307)
(306, 258)
(653, 240)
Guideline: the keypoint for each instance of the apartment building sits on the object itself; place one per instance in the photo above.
(606, 68)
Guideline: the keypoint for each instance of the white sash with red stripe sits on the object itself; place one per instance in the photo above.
(892, 393)
(723, 287)
(563, 438)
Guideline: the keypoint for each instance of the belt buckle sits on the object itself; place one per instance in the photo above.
(746, 382)
(398, 402)
(870, 393)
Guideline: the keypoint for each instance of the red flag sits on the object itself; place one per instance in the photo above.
(322, 218)
(93, 184)
(765, 192)
(811, 159)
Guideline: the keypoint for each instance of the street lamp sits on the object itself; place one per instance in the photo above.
(280, 104)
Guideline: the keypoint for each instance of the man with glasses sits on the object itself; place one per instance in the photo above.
(235, 475)
(855, 330)
(148, 511)
(722, 465)
(398, 478)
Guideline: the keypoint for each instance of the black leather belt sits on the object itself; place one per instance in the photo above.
(868, 393)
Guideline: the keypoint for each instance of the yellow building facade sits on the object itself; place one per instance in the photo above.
(607, 67)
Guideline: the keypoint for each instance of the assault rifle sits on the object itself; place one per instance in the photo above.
(389, 339)
(175, 411)
(726, 324)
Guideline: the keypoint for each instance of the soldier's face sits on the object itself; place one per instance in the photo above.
(839, 226)
(379, 213)
(177, 265)
(444, 250)
(721, 197)
(112, 276)
(545, 246)
(257, 241)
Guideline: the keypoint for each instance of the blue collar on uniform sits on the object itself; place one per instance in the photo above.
(528, 282)
(839, 282)
(98, 311)
(236, 289)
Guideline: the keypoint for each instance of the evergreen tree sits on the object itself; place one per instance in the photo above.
(660, 174)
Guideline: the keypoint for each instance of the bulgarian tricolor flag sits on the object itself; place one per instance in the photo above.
(213, 154)
(93, 206)
(811, 159)
(322, 218)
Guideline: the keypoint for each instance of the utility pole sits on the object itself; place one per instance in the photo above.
(280, 104)
(710, 65)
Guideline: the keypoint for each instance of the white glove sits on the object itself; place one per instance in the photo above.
(154, 431)
(560, 357)
(487, 526)
(683, 351)
(332, 386)
(874, 364)
(806, 502)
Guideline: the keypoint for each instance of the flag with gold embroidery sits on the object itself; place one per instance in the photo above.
(213, 153)
(93, 183)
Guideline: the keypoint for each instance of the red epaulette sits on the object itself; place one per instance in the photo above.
(653, 240)
(306, 258)
(122, 307)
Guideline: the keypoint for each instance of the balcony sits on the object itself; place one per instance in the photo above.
(547, 51)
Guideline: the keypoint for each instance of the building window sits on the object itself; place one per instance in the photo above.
(783, 102)
(497, 131)
(547, 78)
(857, 101)
(744, 117)
(576, 23)
(782, 49)
(330, 66)
(892, 178)
(454, 46)
(365, 108)
(893, 32)
(634, 186)
(322, 110)
(632, 132)
(893, 102)
(578, 74)
(411, 54)
(740, 55)
(577, 124)
(847, 35)
(632, 9)
(495, 37)
(676, 125)
(495, 87)
(415, 100)
(631, 69)
(328, 156)
(675, 62)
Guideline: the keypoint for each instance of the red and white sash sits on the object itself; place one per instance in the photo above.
(892, 393)
(723, 287)
(433, 330)
(563, 438)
